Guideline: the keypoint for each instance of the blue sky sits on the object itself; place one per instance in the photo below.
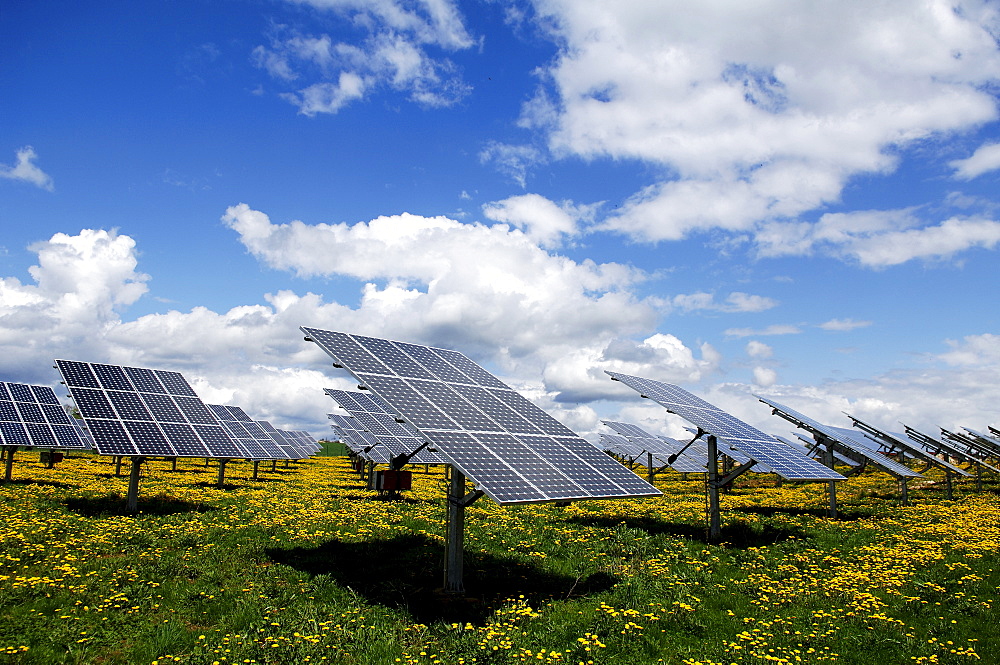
(804, 207)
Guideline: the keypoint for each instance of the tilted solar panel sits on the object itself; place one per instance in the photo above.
(846, 438)
(662, 448)
(900, 443)
(32, 416)
(376, 417)
(251, 436)
(939, 447)
(510, 448)
(132, 411)
(728, 429)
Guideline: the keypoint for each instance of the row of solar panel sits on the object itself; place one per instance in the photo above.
(132, 411)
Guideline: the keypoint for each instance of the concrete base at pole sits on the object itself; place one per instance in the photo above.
(132, 501)
(455, 535)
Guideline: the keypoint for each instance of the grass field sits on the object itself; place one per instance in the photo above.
(306, 566)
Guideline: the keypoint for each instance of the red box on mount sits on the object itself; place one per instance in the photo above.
(393, 480)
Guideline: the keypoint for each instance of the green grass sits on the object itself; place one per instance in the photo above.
(305, 565)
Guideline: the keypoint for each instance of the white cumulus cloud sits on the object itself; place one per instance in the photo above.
(984, 160)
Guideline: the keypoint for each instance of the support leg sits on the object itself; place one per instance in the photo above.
(649, 463)
(118, 465)
(714, 511)
(947, 482)
(904, 494)
(256, 466)
(455, 535)
(8, 473)
(832, 486)
(222, 473)
(132, 501)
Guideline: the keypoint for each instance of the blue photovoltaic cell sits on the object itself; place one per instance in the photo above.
(135, 411)
(251, 436)
(729, 430)
(34, 417)
(511, 449)
(375, 416)
(841, 437)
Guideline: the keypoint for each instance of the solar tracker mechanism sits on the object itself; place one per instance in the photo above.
(510, 449)
(736, 437)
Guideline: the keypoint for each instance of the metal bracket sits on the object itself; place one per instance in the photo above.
(467, 500)
(735, 473)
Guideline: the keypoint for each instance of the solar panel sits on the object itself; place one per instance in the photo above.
(377, 417)
(845, 438)
(510, 448)
(900, 443)
(985, 446)
(250, 435)
(32, 416)
(939, 447)
(132, 411)
(728, 429)
(288, 450)
(991, 441)
(661, 448)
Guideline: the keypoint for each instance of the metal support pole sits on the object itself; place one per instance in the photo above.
(370, 475)
(8, 473)
(274, 465)
(132, 501)
(174, 467)
(256, 466)
(979, 477)
(222, 473)
(52, 460)
(947, 482)
(455, 534)
(118, 465)
(904, 494)
(652, 472)
(714, 511)
(831, 487)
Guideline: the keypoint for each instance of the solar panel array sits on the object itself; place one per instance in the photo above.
(846, 438)
(983, 446)
(361, 442)
(939, 447)
(693, 460)
(131, 411)
(249, 434)
(33, 416)
(289, 445)
(376, 416)
(900, 443)
(509, 447)
(764, 448)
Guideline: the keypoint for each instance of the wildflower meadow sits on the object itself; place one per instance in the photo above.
(305, 565)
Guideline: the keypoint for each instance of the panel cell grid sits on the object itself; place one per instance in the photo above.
(510, 448)
(134, 411)
(32, 416)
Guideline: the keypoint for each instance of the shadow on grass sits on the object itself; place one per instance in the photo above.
(739, 535)
(33, 481)
(842, 515)
(406, 573)
(113, 505)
